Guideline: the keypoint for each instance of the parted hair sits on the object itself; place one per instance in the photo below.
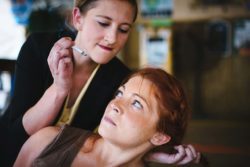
(85, 5)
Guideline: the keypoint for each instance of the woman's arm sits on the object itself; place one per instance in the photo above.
(31, 81)
(34, 93)
(33, 147)
(36, 102)
(44, 112)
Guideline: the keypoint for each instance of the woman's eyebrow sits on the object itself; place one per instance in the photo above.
(106, 17)
(121, 88)
(109, 18)
(139, 96)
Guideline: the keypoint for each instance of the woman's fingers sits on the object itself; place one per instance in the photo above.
(198, 158)
(167, 158)
(64, 54)
(195, 154)
(191, 156)
(65, 67)
(61, 64)
(181, 153)
(61, 49)
(185, 154)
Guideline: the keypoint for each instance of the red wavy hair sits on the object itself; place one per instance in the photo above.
(173, 108)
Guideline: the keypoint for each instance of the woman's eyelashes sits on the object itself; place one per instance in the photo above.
(124, 30)
(118, 93)
(121, 29)
(103, 24)
(137, 104)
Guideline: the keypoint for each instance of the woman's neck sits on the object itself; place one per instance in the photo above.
(82, 72)
(83, 64)
(109, 154)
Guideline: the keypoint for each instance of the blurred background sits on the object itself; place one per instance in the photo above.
(204, 43)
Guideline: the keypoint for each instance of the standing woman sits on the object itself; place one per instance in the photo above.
(57, 85)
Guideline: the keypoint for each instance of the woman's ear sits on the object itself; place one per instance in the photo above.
(77, 18)
(159, 139)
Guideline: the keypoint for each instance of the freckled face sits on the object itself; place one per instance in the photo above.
(130, 118)
(104, 29)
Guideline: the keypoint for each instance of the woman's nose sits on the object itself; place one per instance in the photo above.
(116, 108)
(110, 37)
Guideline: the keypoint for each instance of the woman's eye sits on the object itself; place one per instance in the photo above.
(137, 104)
(103, 24)
(123, 30)
(118, 93)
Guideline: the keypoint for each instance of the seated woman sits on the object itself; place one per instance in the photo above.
(149, 110)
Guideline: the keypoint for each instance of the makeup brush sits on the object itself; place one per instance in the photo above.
(82, 52)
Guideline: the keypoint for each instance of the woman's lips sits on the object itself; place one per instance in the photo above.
(109, 120)
(105, 47)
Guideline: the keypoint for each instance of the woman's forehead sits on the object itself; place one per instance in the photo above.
(115, 8)
(113, 3)
(140, 85)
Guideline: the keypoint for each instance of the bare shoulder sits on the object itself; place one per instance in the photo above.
(47, 133)
(35, 145)
(42, 138)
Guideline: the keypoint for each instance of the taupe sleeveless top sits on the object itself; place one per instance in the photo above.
(63, 149)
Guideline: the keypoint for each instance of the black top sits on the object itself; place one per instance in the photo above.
(33, 77)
